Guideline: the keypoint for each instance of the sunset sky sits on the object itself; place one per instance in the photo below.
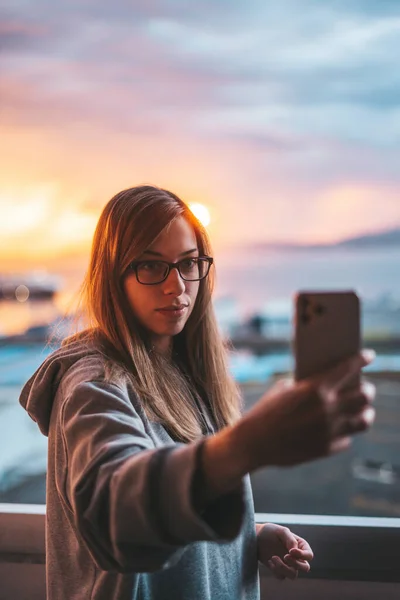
(283, 118)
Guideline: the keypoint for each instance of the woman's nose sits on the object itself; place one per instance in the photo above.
(174, 284)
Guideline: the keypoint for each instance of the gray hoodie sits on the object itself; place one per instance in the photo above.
(120, 520)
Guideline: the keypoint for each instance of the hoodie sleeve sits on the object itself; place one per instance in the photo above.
(132, 503)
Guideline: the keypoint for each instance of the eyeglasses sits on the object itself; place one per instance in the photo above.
(151, 272)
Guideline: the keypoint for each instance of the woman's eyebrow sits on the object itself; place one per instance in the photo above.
(154, 253)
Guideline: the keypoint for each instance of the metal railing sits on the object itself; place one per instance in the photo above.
(358, 556)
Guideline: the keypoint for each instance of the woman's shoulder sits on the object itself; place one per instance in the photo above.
(98, 379)
(87, 360)
(75, 363)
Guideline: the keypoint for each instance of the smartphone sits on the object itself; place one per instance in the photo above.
(327, 330)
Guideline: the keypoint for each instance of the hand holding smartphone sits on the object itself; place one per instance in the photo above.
(294, 423)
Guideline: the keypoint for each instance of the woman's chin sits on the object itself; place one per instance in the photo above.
(170, 331)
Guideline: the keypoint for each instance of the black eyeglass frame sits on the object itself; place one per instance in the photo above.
(174, 265)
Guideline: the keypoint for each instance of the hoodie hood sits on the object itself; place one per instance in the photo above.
(38, 393)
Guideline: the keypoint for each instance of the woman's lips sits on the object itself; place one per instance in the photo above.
(173, 311)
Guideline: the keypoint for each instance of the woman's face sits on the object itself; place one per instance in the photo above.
(164, 308)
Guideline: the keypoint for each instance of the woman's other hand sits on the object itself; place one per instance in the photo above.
(282, 551)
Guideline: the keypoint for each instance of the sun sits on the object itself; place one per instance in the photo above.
(201, 212)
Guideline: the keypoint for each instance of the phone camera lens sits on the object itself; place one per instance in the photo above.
(319, 309)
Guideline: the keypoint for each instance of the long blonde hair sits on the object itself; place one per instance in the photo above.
(128, 225)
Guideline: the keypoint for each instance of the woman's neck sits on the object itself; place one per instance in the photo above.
(163, 345)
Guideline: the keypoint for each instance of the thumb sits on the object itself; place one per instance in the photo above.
(282, 384)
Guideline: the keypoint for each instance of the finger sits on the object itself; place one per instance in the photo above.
(342, 373)
(303, 550)
(282, 384)
(354, 401)
(351, 425)
(281, 570)
(298, 554)
(339, 445)
(298, 565)
(275, 573)
(288, 539)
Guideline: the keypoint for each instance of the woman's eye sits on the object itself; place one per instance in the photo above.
(190, 263)
(151, 266)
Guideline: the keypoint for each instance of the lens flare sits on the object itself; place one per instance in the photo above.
(201, 212)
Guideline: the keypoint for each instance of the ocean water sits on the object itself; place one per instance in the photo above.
(253, 279)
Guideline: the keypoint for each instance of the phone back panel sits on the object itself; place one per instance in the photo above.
(326, 330)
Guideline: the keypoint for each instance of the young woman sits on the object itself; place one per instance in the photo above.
(148, 493)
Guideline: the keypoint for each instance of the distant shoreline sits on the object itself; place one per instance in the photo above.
(383, 239)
